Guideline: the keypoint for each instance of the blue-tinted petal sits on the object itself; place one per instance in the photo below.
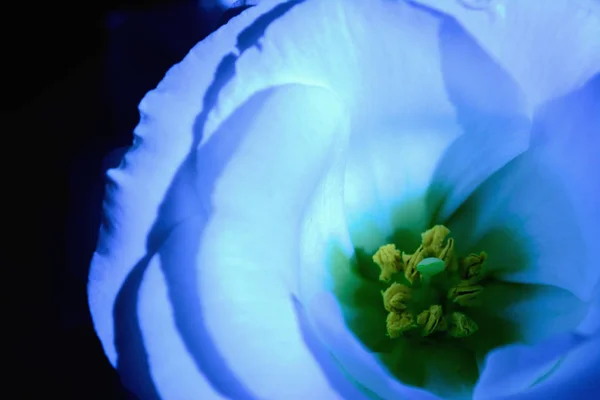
(491, 112)
(411, 95)
(179, 368)
(576, 375)
(537, 217)
(137, 187)
(527, 314)
(516, 368)
(160, 185)
(272, 152)
(551, 48)
(388, 78)
(231, 273)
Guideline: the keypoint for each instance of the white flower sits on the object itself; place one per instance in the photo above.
(303, 130)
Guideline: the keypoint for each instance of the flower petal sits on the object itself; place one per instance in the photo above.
(419, 75)
(576, 377)
(515, 368)
(551, 48)
(406, 168)
(258, 173)
(591, 323)
(137, 187)
(563, 367)
(384, 76)
(159, 171)
(517, 313)
(178, 369)
(492, 114)
(536, 217)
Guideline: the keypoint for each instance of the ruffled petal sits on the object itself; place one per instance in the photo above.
(138, 186)
(161, 184)
(551, 48)
(230, 272)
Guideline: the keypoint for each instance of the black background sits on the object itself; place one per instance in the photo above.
(73, 76)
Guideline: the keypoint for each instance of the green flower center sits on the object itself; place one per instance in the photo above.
(431, 290)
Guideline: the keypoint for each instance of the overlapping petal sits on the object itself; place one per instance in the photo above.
(550, 48)
(203, 252)
(518, 367)
(248, 253)
(563, 367)
(537, 218)
(161, 184)
(543, 207)
(137, 188)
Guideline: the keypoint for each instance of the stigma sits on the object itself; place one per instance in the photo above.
(430, 290)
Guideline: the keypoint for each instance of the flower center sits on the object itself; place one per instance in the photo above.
(430, 290)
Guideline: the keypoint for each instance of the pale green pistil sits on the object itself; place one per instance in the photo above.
(436, 289)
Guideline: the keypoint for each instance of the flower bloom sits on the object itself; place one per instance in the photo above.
(291, 189)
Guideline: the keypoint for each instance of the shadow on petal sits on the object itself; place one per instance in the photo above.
(513, 369)
(491, 112)
(344, 385)
(517, 313)
(132, 360)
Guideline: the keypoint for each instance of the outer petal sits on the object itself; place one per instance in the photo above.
(233, 322)
(550, 48)
(177, 368)
(136, 189)
(159, 170)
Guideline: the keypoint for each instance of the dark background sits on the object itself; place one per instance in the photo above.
(74, 75)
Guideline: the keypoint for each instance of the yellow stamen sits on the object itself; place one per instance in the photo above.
(447, 254)
(466, 294)
(439, 269)
(389, 260)
(431, 320)
(395, 297)
(410, 270)
(461, 326)
(471, 267)
(434, 237)
(399, 323)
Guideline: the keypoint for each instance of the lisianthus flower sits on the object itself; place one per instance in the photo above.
(310, 156)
